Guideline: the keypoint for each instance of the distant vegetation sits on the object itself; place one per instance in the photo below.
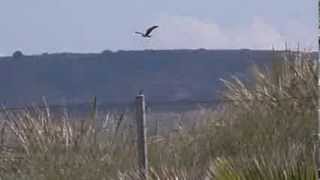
(116, 77)
(17, 54)
(263, 130)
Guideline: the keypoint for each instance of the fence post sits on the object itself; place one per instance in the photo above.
(141, 134)
(94, 119)
(317, 145)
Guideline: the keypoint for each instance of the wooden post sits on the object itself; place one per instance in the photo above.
(317, 147)
(94, 119)
(141, 134)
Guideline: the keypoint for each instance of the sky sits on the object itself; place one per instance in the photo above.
(82, 26)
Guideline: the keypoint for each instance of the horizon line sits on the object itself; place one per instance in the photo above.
(141, 50)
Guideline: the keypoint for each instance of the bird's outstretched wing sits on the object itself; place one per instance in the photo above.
(148, 32)
(139, 33)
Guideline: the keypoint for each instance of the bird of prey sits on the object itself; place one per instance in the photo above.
(147, 34)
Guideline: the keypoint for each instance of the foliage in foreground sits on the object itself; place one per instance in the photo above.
(263, 130)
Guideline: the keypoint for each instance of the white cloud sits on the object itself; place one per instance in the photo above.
(180, 32)
(177, 32)
(297, 32)
(258, 35)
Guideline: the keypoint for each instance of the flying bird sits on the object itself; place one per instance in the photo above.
(147, 34)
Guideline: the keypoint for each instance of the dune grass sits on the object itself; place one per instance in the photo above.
(263, 129)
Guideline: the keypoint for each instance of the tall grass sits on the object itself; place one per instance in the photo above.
(263, 130)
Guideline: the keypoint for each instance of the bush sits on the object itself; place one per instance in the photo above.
(17, 54)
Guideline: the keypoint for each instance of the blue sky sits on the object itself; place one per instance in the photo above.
(37, 26)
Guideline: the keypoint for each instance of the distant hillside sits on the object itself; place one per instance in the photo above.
(116, 77)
